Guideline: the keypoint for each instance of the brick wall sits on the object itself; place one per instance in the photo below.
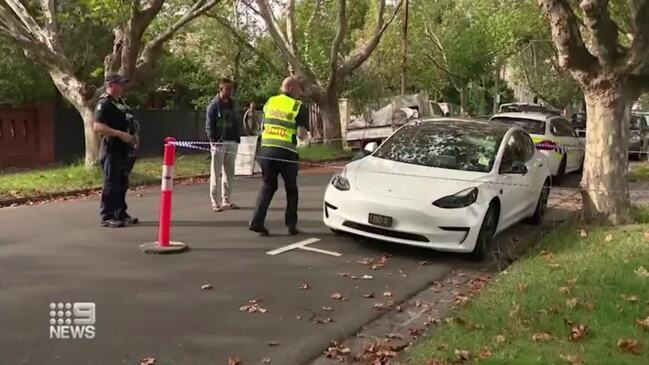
(27, 136)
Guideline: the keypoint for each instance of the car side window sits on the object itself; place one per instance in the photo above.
(561, 128)
(519, 148)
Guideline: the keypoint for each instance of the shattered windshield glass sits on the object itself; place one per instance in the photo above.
(455, 145)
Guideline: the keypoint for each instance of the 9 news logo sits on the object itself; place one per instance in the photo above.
(72, 320)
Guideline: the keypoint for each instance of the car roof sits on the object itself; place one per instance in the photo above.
(541, 117)
(488, 126)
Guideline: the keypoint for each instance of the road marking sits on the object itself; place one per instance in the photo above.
(302, 245)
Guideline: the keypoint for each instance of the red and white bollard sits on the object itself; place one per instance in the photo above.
(164, 244)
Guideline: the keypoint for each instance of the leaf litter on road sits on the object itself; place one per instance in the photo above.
(338, 296)
(253, 306)
(207, 286)
(148, 361)
(234, 361)
(304, 286)
(578, 332)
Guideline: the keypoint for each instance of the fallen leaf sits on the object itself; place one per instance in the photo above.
(354, 277)
(554, 265)
(337, 296)
(367, 277)
(573, 360)
(642, 272)
(564, 290)
(424, 263)
(327, 309)
(460, 299)
(266, 361)
(368, 295)
(485, 353)
(568, 322)
(376, 266)
(542, 337)
(578, 332)
(501, 339)
(206, 286)
(630, 298)
(629, 345)
(379, 306)
(139, 195)
(272, 343)
(147, 361)
(344, 274)
(572, 303)
(234, 361)
(394, 336)
(304, 286)
(521, 287)
(608, 238)
(583, 233)
(462, 355)
(387, 294)
(644, 323)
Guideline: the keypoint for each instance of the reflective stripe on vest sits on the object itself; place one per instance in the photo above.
(280, 127)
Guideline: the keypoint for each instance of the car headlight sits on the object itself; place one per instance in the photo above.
(461, 199)
(634, 139)
(340, 182)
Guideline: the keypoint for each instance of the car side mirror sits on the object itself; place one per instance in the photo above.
(371, 147)
(517, 168)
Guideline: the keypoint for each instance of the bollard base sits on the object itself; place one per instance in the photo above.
(155, 248)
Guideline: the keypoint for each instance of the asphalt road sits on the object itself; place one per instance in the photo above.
(149, 305)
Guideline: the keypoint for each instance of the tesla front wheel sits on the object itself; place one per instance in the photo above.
(482, 247)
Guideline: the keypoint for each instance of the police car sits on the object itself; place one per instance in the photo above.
(552, 134)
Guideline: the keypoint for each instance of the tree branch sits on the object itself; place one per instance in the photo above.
(283, 45)
(444, 69)
(51, 25)
(362, 53)
(28, 22)
(637, 62)
(603, 29)
(338, 40)
(153, 48)
(567, 38)
(264, 58)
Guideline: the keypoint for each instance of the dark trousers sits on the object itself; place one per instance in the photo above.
(113, 195)
(270, 171)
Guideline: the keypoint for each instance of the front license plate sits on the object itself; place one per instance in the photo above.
(380, 220)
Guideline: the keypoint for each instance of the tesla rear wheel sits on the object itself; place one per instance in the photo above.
(485, 238)
(541, 205)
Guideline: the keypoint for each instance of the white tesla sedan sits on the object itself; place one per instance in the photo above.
(446, 184)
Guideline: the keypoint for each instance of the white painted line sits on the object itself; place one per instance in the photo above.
(292, 246)
(313, 249)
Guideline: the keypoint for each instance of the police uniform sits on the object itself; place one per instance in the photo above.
(278, 156)
(117, 158)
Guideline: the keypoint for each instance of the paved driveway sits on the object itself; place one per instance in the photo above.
(150, 305)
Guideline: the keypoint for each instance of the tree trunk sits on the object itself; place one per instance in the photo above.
(606, 191)
(328, 104)
(463, 97)
(73, 91)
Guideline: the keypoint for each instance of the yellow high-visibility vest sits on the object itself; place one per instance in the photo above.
(280, 128)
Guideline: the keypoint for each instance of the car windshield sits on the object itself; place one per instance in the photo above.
(530, 125)
(455, 145)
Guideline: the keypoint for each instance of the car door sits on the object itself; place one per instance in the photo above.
(566, 137)
(517, 190)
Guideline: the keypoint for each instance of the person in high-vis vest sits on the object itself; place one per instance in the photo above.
(285, 121)
(114, 121)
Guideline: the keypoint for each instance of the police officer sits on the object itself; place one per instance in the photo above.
(285, 120)
(115, 122)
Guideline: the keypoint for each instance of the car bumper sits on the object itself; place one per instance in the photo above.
(635, 148)
(416, 223)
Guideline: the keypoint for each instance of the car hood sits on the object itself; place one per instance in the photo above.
(393, 179)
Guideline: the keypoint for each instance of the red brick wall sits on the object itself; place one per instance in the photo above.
(27, 136)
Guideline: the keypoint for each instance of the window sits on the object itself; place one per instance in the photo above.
(638, 123)
(531, 126)
(519, 148)
(561, 128)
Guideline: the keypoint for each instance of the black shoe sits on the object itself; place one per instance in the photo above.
(261, 230)
(293, 231)
(128, 220)
(112, 223)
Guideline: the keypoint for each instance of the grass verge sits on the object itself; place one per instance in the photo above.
(639, 173)
(76, 177)
(323, 152)
(532, 313)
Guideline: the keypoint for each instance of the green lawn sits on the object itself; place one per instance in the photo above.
(75, 177)
(527, 315)
(640, 173)
(147, 171)
(323, 152)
